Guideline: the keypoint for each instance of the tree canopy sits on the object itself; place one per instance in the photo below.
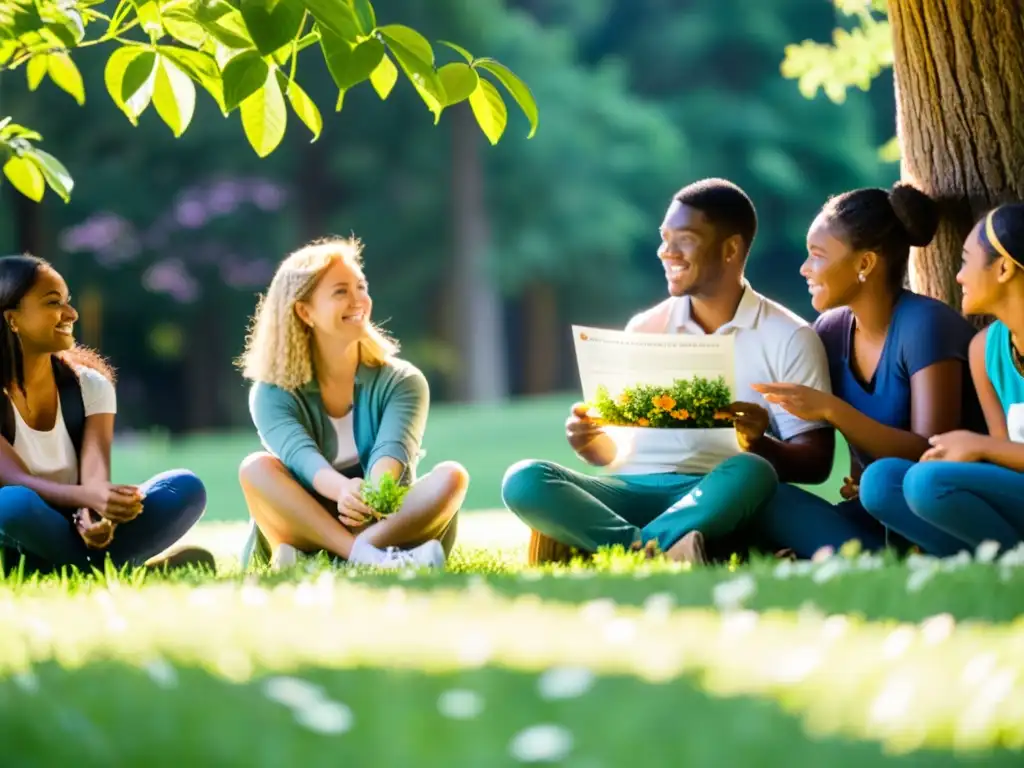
(244, 54)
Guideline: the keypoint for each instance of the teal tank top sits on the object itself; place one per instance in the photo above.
(1006, 379)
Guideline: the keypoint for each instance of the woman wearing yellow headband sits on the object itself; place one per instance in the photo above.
(969, 487)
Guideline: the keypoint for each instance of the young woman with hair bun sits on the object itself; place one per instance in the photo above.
(898, 363)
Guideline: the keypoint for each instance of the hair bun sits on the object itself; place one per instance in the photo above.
(917, 212)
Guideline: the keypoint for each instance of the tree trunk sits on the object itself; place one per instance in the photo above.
(476, 323)
(959, 68)
(542, 334)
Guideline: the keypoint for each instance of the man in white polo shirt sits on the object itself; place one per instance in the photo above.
(706, 235)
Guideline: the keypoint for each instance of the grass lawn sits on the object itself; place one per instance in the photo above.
(854, 661)
(857, 660)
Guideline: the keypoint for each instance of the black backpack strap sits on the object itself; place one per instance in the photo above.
(72, 407)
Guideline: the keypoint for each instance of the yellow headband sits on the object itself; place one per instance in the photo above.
(990, 233)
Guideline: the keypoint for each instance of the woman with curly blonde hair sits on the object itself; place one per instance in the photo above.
(333, 405)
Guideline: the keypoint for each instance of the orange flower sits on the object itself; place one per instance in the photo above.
(643, 423)
(724, 415)
(681, 414)
(664, 402)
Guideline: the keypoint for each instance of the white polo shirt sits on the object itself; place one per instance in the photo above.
(772, 345)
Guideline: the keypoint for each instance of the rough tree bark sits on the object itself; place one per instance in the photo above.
(475, 320)
(959, 69)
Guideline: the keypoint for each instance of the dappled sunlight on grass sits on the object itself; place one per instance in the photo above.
(909, 685)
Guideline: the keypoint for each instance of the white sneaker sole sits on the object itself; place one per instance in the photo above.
(285, 557)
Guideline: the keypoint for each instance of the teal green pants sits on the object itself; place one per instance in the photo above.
(591, 512)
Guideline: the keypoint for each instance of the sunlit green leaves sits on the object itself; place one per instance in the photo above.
(853, 59)
(272, 23)
(264, 116)
(26, 177)
(303, 106)
(336, 16)
(174, 96)
(245, 74)
(62, 71)
(350, 66)
(239, 52)
(516, 87)
(489, 109)
(459, 81)
(416, 58)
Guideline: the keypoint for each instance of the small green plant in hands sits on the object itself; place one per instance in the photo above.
(386, 497)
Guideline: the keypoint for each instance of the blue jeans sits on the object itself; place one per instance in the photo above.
(591, 512)
(29, 526)
(946, 506)
(797, 519)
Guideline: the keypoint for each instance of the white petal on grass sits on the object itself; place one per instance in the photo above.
(898, 642)
(986, 551)
(918, 578)
(659, 605)
(26, 681)
(979, 668)
(783, 570)
(599, 611)
(292, 691)
(960, 560)
(935, 629)
(893, 703)
(327, 717)
(619, 631)
(916, 562)
(732, 594)
(252, 595)
(565, 683)
(738, 623)
(545, 743)
(162, 673)
(829, 570)
(460, 704)
(1014, 557)
(835, 627)
(797, 665)
(475, 650)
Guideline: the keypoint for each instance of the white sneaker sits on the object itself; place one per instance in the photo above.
(286, 556)
(428, 555)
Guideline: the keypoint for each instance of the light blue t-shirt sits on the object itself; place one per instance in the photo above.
(1006, 379)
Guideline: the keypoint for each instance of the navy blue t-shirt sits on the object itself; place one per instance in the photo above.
(923, 331)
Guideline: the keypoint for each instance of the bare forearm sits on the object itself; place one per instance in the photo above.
(875, 439)
(329, 483)
(1004, 453)
(599, 452)
(55, 494)
(796, 461)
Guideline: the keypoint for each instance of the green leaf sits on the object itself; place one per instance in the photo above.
(384, 76)
(350, 66)
(411, 40)
(416, 58)
(201, 67)
(489, 110)
(365, 17)
(272, 23)
(520, 92)
(180, 23)
(224, 23)
(243, 76)
(459, 80)
(113, 75)
(459, 50)
(54, 172)
(264, 116)
(137, 84)
(174, 96)
(148, 12)
(336, 17)
(66, 76)
(35, 70)
(302, 105)
(26, 177)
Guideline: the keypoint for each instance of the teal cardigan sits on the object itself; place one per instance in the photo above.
(389, 414)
